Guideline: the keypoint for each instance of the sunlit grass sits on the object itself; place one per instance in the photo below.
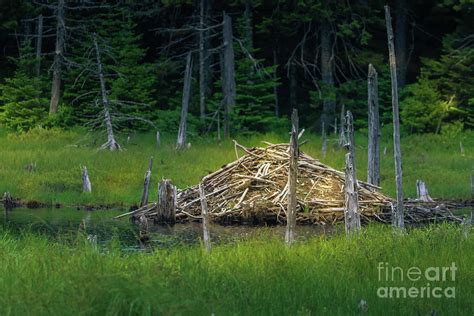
(257, 276)
(117, 176)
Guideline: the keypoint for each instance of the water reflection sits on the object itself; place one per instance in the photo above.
(99, 227)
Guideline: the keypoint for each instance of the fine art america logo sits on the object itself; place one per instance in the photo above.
(430, 282)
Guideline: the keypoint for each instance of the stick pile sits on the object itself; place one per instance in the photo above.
(254, 189)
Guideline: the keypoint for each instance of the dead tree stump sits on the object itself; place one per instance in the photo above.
(146, 184)
(292, 177)
(86, 183)
(166, 206)
(205, 219)
(373, 168)
(351, 211)
(422, 192)
(8, 201)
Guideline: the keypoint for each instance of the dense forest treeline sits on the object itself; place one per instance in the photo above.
(67, 63)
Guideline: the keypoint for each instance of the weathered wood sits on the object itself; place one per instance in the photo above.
(218, 126)
(111, 143)
(398, 216)
(181, 141)
(292, 180)
(58, 57)
(373, 168)
(39, 43)
(166, 206)
(203, 55)
(422, 192)
(275, 87)
(143, 228)
(146, 184)
(342, 125)
(158, 139)
(8, 201)
(325, 141)
(229, 73)
(351, 197)
(86, 183)
(205, 219)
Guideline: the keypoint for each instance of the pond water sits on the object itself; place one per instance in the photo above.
(69, 221)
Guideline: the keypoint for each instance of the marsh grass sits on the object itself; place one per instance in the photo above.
(117, 176)
(256, 276)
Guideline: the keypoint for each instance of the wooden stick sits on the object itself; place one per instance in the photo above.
(398, 216)
(292, 178)
(373, 169)
(146, 184)
(180, 143)
(205, 219)
(351, 211)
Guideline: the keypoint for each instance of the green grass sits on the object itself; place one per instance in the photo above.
(258, 276)
(117, 176)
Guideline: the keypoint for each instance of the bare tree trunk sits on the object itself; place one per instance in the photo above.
(275, 87)
(327, 68)
(373, 170)
(401, 8)
(185, 102)
(229, 73)
(248, 24)
(166, 205)
(398, 216)
(351, 212)
(324, 139)
(292, 180)
(293, 85)
(39, 43)
(86, 183)
(203, 56)
(111, 143)
(205, 219)
(146, 184)
(342, 125)
(58, 58)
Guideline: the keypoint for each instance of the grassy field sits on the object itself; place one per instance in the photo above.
(117, 176)
(256, 276)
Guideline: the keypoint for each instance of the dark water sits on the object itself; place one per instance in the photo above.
(67, 222)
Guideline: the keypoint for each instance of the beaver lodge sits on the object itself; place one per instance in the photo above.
(254, 190)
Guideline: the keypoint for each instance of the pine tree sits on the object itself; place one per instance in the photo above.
(23, 101)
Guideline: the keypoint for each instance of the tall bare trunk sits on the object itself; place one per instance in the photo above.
(401, 8)
(373, 168)
(185, 102)
(229, 73)
(351, 212)
(292, 180)
(398, 216)
(275, 87)
(111, 143)
(327, 68)
(203, 57)
(39, 43)
(293, 86)
(58, 58)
